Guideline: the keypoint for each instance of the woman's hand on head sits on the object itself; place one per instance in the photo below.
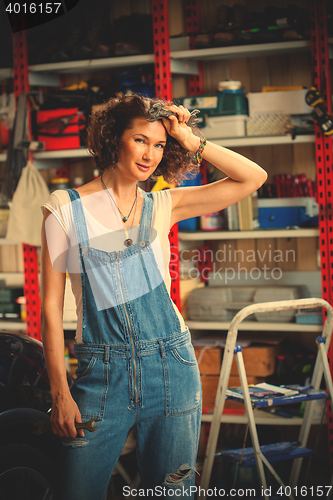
(177, 127)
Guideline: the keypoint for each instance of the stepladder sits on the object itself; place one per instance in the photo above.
(293, 451)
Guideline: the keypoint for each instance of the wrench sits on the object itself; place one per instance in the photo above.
(42, 426)
(157, 112)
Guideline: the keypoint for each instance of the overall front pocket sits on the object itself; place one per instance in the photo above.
(182, 381)
(89, 390)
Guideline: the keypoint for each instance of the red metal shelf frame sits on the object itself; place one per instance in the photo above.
(163, 89)
(324, 161)
(31, 284)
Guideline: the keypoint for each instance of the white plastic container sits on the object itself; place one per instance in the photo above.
(218, 127)
(291, 102)
(276, 293)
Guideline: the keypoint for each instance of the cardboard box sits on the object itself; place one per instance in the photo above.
(259, 361)
(209, 360)
(209, 388)
(8, 258)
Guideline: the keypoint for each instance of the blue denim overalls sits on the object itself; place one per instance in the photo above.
(137, 369)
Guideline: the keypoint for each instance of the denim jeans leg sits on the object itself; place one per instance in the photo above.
(167, 452)
(86, 464)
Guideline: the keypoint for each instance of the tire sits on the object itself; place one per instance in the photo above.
(26, 473)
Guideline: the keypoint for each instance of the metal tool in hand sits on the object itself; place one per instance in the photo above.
(157, 112)
(42, 426)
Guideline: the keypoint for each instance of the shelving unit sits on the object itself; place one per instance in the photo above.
(214, 54)
(185, 62)
(232, 142)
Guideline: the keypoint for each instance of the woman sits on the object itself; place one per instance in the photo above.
(137, 367)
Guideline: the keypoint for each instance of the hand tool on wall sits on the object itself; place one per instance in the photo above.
(320, 113)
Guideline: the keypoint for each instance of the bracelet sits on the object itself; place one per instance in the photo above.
(201, 147)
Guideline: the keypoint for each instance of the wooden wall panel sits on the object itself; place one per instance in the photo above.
(247, 249)
(300, 69)
(307, 254)
(258, 74)
(287, 248)
(304, 160)
(283, 159)
(264, 156)
(265, 253)
(176, 17)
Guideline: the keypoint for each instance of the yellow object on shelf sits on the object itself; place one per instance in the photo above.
(161, 184)
(77, 86)
(278, 88)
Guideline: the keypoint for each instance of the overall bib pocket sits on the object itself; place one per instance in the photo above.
(182, 381)
(90, 387)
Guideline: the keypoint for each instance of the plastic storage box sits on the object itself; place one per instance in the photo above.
(217, 127)
(271, 294)
(283, 212)
(291, 102)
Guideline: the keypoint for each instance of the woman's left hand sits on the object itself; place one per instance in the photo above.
(177, 128)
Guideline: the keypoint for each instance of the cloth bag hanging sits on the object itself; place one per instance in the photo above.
(25, 217)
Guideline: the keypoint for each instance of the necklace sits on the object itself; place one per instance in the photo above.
(125, 217)
(128, 241)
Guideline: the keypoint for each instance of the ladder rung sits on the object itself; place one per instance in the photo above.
(273, 452)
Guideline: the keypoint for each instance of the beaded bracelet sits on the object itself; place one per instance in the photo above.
(201, 147)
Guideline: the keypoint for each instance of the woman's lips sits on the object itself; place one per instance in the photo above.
(144, 168)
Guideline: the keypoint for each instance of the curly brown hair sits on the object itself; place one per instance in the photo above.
(109, 121)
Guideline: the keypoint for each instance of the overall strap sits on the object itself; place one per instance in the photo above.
(146, 216)
(79, 218)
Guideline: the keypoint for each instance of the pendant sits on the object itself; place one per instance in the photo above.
(125, 219)
(128, 242)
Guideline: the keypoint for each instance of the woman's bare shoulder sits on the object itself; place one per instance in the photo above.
(90, 188)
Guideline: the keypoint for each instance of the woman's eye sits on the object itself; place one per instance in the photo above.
(160, 146)
(139, 140)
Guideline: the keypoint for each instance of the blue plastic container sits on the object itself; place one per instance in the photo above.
(193, 223)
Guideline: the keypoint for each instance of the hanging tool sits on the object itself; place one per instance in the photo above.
(320, 113)
(314, 97)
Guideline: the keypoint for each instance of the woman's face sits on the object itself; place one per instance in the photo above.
(141, 149)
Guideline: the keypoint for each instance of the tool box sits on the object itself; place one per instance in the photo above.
(284, 212)
(226, 103)
(60, 128)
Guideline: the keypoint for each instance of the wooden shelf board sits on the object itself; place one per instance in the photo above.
(253, 326)
(240, 51)
(241, 235)
(261, 418)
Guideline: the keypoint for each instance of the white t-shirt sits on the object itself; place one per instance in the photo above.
(106, 233)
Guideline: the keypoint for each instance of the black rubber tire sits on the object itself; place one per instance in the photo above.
(26, 474)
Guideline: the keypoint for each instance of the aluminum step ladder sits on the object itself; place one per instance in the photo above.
(321, 367)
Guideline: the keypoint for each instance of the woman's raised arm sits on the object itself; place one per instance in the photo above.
(243, 175)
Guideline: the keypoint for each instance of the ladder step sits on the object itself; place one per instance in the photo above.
(305, 393)
(273, 452)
